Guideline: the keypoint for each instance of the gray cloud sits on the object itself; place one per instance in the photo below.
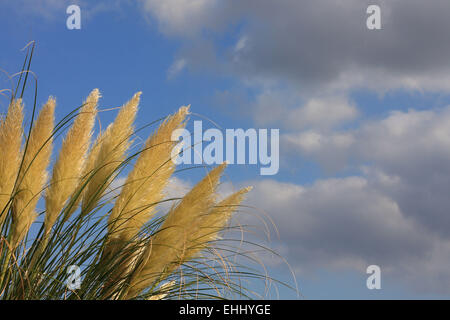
(323, 43)
(283, 108)
(312, 45)
(348, 223)
(413, 148)
(394, 214)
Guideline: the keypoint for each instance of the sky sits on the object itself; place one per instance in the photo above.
(364, 116)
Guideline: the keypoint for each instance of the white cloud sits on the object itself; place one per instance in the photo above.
(176, 67)
(320, 46)
(395, 214)
(175, 189)
(317, 46)
(322, 113)
(180, 17)
(401, 142)
(291, 111)
(178, 187)
(348, 223)
(241, 44)
(47, 9)
(331, 149)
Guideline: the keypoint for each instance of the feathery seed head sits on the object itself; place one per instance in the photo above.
(33, 173)
(173, 243)
(144, 186)
(111, 153)
(11, 141)
(128, 263)
(69, 165)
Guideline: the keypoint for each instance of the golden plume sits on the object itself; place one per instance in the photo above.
(33, 173)
(88, 170)
(11, 141)
(184, 228)
(69, 165)
(144, 186)
(109, 153)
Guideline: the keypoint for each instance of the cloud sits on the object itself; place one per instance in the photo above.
(347, 223)
(401, 142)
(178, 187)
(46, 9)
(321, 45)
(175, 189)
(330, 149)
(322, 113)
(394, 213)
(175, 17)
(286, 109)
(176, 67)
(314, 46)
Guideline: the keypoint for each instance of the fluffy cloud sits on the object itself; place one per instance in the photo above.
(186, 17)
(330, 149)
(286, 109)
(315, 45)
(349, 223)
(399, 143)
(176, 67)
(321, 113)
(324, 44)
(43, 8)
(394, 214)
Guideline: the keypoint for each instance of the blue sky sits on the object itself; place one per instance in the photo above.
(363, 116)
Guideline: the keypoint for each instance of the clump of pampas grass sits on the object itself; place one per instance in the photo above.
(124, 250)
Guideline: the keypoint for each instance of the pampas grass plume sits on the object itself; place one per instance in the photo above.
(130, 254)
(11, 141)
(33, 173)
(69, 165)
(144, 186)
(173, 243)
(109, 152)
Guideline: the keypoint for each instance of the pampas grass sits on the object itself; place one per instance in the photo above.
(68, 168)
(143, 188)
(11, 141)
(124, 250)
(33, 173)
(108, 153)
(188, 228)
